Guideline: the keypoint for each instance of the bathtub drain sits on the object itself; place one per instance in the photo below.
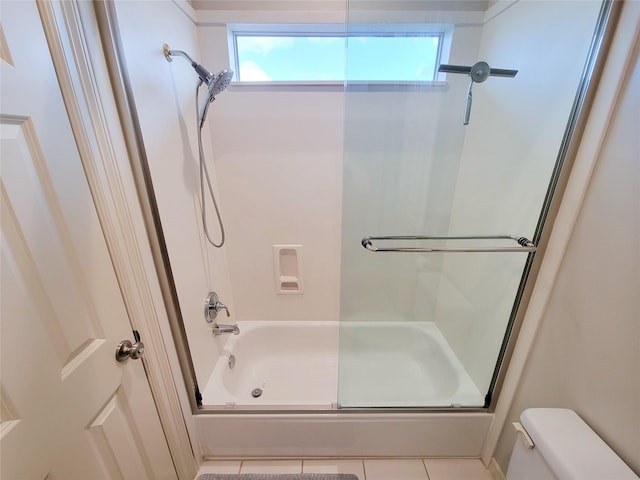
(256, 392)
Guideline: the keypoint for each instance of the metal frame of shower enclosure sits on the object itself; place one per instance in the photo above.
(110, 37)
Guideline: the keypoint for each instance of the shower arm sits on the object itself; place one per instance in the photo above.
(203, 73)
(168, 54)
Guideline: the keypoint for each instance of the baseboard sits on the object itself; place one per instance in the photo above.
(495, 470)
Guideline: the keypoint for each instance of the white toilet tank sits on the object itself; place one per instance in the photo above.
(564, 448)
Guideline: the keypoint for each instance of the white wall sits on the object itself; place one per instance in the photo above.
(164, 97)
(278, 154)
(586, 354)
(510, 148)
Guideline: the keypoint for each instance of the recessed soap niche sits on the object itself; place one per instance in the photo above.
(287, 261)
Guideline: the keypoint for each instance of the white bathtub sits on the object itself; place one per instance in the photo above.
(296, 366)
(382, 364)
(293, 363)
(401, 364)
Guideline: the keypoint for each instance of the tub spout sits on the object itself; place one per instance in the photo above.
(219, 329)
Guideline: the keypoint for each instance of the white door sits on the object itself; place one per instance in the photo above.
(69, 410)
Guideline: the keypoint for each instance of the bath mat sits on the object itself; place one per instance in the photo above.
(278, 476)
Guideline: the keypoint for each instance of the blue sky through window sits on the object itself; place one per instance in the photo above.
(407, 57)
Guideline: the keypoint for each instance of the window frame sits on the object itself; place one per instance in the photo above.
(441, 31)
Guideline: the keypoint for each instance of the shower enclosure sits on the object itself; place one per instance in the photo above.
(419, 213)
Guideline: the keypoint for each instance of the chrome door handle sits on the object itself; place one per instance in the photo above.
(126, 349)
(524, 244)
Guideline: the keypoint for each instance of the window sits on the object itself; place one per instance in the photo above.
(308, 57)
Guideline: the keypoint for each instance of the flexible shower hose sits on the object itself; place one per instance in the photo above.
(204, 174)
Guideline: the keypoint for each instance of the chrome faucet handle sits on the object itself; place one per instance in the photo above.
(212, 306)
(217, 306)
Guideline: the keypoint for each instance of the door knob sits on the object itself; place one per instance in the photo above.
(126, 349)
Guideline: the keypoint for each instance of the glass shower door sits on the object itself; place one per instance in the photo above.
(441, 194)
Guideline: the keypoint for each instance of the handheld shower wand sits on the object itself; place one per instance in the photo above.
(215, 85)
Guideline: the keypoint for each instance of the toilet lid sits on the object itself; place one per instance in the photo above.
(571, 448)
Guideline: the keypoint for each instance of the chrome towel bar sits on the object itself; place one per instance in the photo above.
(524, 244)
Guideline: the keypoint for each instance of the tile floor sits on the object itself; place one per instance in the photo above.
(365, 469)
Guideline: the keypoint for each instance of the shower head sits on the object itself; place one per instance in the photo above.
(219, 83)
(215, 83)
(215, 86)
